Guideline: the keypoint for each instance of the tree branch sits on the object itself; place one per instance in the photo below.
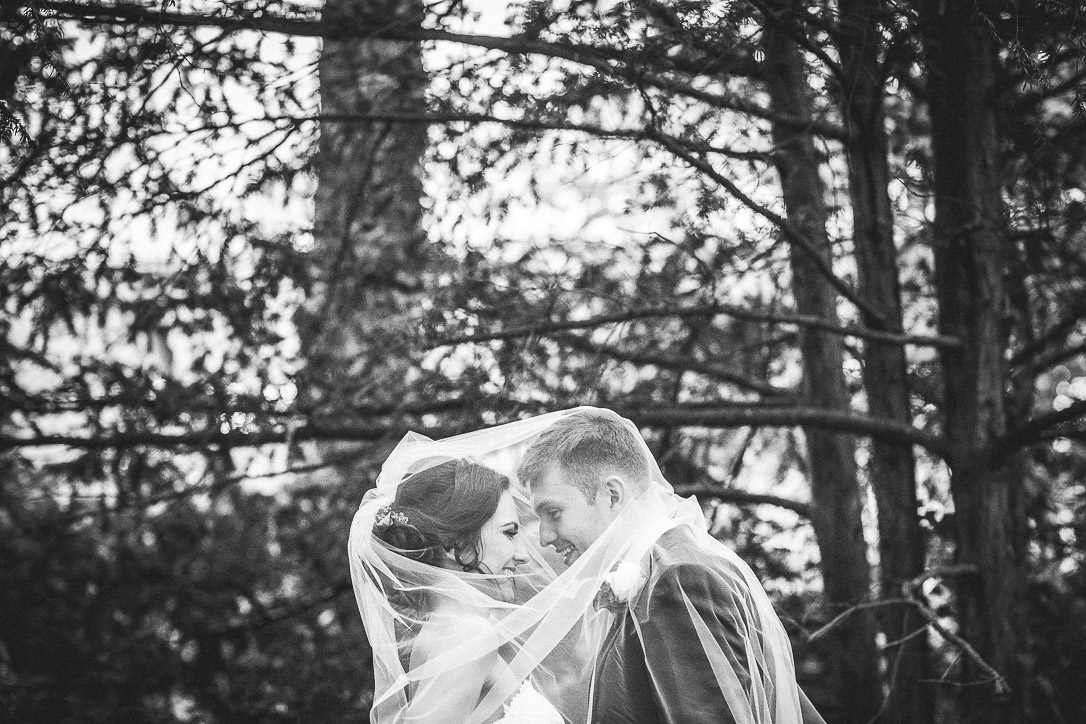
(207, 488)
(376, 27)
(790, 232)
(790, 24)
(267, 617)
(1056, 333)
(209, 438)
(932, 618)
(1038, 428)
(712, 371)
(742, 497)
(910, 586)
(719, 415)
(803, 320)
(1050, 359)
(448, 117)
(739, 415)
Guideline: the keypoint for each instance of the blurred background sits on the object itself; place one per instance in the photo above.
(829, 256)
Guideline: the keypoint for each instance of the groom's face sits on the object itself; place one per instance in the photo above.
(569, 521)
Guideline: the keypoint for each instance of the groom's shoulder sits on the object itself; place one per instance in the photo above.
(680, 558)
(679, 547)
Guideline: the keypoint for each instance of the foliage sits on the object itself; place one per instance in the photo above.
(228, 608)
(606, 226)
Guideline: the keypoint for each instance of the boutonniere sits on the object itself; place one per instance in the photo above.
(619, 586)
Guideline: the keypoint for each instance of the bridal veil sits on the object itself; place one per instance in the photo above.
(544, 624)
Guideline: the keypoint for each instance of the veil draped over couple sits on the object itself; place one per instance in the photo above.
(545, 571)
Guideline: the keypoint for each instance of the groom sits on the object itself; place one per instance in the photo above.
(663, 659)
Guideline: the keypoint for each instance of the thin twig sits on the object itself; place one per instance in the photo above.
(962, 569)
(932, 618)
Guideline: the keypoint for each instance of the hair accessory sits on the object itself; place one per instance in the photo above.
(386, 516)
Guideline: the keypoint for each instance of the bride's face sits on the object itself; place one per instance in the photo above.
(504, 546)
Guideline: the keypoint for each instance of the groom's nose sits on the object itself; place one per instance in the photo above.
(546, 534)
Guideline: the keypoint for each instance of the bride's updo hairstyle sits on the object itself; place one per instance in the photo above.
(442, 510)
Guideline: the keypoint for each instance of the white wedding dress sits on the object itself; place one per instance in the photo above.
(453, 695)
(528, 706)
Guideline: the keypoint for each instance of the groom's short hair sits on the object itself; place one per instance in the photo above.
(588, 445)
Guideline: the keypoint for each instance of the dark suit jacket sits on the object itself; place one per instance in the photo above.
(661, 673)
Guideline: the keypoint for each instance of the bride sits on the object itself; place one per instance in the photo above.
(446, 574)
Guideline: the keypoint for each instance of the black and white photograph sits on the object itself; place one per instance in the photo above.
(542, 361)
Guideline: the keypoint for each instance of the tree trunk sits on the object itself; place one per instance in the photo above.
(837, 503)
(368, 236)
(892, 469)
(969, 264)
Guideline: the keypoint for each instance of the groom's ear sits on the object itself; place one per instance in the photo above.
(617, 491)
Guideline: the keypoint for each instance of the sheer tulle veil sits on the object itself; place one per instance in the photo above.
(533, 629)
(540, 625)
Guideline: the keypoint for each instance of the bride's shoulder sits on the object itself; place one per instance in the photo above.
(446, 628)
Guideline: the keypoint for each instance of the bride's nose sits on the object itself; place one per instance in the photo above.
(520, 553)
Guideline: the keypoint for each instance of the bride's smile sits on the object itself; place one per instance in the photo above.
(503, 545)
